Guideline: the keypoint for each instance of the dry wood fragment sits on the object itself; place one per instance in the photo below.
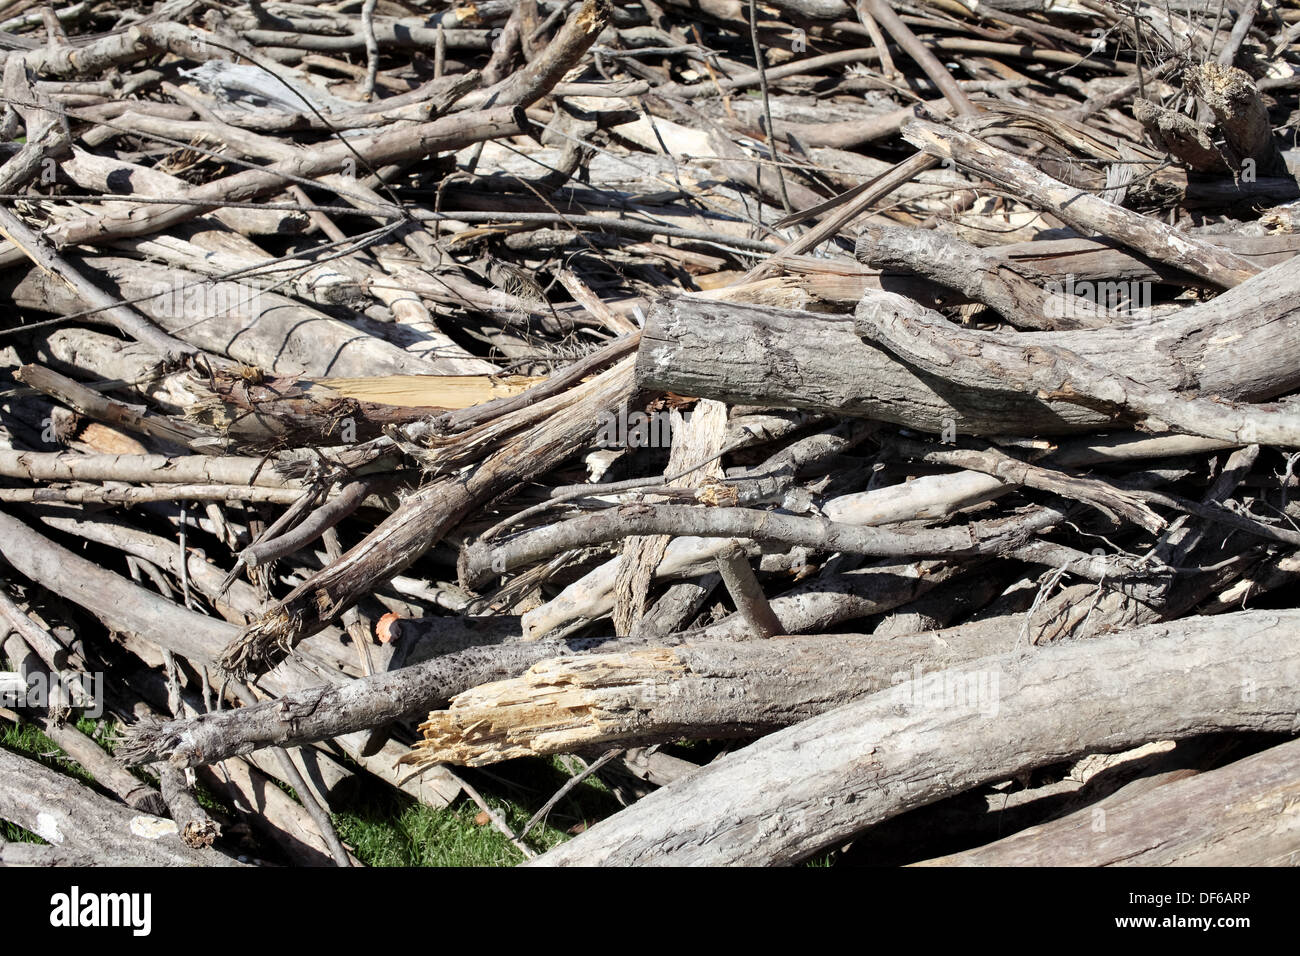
(197, 828)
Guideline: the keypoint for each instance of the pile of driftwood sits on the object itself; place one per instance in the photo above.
(902, 395)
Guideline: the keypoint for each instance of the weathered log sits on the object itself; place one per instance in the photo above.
(697, 690)
(73, 818)
(230, 318)
(1241, 346)
(322, 712)
(828, 777)
(197, 829)
(1238, 815)
(1083, 211)
(1001, 362)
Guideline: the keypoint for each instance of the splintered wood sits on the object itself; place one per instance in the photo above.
(870, 427)
(555, 707)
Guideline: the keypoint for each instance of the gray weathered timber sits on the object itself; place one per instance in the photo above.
(1239, 815)
(829, 777)
(76, 819)
(702, 691)
(1243, 346)
(1083, 211)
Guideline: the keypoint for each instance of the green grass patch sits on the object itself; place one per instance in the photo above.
(385, 828)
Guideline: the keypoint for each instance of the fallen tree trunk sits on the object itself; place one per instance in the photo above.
(826, 778)
(1242, 346)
